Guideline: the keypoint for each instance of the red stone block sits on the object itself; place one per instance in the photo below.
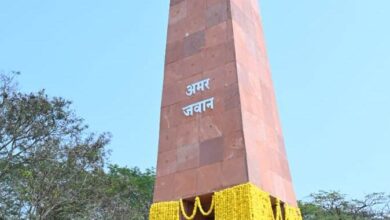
(209, 178)
(185, 183)
(164, 190)
(194, 43)
(188, 157)
(166, 163)
(234, 172)
(211, 151)
(196, 7)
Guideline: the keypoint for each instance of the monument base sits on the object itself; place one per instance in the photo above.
(242, 202)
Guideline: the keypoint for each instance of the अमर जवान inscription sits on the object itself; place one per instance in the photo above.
(201, 106)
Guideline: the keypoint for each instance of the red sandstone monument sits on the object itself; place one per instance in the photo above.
(221, 150)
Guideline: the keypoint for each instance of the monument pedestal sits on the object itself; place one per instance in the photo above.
(220, 135)
(242, 202)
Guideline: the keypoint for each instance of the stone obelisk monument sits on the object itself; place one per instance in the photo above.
(221, 150)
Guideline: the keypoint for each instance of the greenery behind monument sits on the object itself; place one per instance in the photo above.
(51, 167)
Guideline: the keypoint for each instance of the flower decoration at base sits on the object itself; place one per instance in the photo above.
(164, 211)
(242, 202)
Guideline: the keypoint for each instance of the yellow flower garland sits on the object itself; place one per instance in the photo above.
(197, 205)
(292, 213)
(243, 202)
(278, 211)
(183, 212)
(204, 213)
(164, 211)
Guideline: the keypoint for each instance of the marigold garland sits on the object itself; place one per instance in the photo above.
(183, 211)
(211, 209)
(243, 202)
(292, 213)
(197, 205)
(278, 210)
(164, 211)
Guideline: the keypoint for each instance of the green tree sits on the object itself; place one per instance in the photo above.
(49, 163)
(333, 205)
(372, 206)
(128, 194)
(51, 167)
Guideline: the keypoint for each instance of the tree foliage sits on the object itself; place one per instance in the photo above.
(128, 194)
(334, 205)
(51, 167)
